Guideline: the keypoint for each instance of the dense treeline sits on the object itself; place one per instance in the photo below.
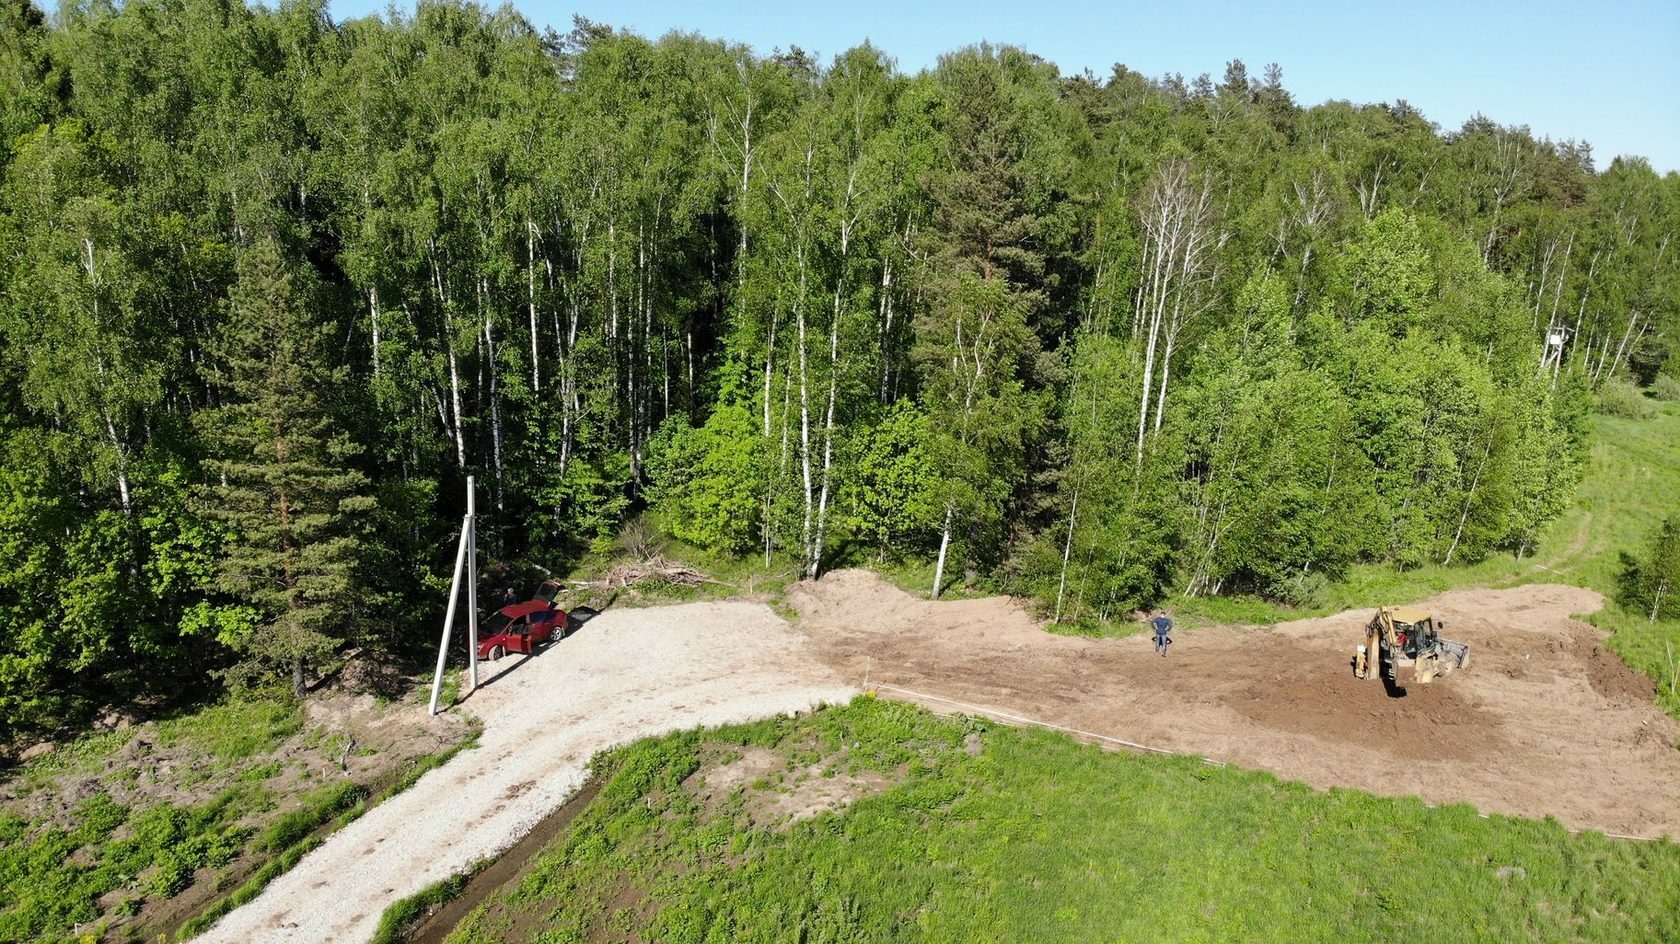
(272, 286)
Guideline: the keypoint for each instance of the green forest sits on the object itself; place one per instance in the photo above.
(272, 286)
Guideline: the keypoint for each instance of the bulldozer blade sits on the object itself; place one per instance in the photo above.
(1456, 653)
(1446, 657)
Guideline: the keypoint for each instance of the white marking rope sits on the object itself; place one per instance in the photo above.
(1018, 719)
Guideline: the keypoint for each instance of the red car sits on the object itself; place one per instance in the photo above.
(519, 628)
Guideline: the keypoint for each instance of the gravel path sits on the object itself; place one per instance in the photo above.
(626, 674)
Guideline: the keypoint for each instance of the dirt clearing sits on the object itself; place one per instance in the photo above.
(1543, 722)
(626, 674)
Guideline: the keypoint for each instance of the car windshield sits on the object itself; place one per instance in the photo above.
(497, 623)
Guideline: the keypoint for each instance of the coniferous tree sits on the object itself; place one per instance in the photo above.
(282, 482)
(976, 346)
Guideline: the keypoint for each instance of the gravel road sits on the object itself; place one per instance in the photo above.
(624, 675)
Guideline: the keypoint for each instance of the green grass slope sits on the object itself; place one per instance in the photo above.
(997, 834)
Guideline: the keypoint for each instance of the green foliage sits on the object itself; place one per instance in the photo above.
(1621, 398)
(892, 496)
(235, 730)
(167, 844)
(1385, 273)
(1651, 582)
(1117, 526)
(272, 286)
(706, 481)
(1666, 389)
(1279, 489)
(50, 881)
(1037, 836)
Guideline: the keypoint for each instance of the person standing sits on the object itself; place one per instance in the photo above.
(509, 598)
(1163, 626)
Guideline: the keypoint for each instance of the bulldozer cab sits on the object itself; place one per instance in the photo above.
(1414, 629)
(1407, 637)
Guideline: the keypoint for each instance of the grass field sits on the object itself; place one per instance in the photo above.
(986, 833)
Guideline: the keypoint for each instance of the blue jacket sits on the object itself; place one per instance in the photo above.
(1162, 625)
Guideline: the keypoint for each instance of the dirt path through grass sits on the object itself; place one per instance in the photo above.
(1544, 721)
(626, 674)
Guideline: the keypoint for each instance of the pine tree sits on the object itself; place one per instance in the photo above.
(975, 345)
(283, 485)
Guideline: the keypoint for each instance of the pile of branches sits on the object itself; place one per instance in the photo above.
(656, 567)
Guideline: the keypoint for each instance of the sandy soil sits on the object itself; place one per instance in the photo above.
(624, 675)
(1543, 722)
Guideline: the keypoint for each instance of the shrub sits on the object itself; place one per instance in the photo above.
(1665, 388)
(1651, 581)
(1310, 590)
(705, 481)
(1621, 398)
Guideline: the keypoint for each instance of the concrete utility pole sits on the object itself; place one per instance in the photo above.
(466, 557)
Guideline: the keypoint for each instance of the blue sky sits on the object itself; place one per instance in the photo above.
(1606, 72)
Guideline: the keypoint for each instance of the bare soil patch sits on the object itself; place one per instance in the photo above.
(1544, 721)
(774, 792)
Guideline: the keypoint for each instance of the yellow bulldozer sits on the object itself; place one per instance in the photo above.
(1407, 637)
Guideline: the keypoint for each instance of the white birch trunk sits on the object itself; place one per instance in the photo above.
(944, 548)
(122, 461)
(804, 412)
(495, 391)
(1067, 554)
(531, 301)
(1464, 515)
(373, 312)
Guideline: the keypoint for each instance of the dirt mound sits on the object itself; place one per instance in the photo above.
(1609, 675)
(862, 599)
(1544, 721)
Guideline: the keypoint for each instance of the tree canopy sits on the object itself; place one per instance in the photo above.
(272, 286)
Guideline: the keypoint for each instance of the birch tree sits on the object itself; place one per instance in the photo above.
(1177, 271)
